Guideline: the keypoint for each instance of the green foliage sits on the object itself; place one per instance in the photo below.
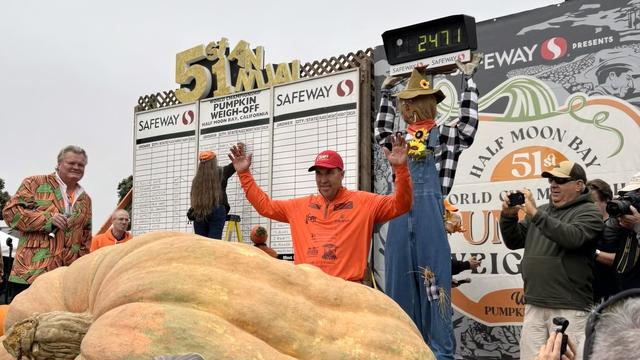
(123, 188)
(4, 197)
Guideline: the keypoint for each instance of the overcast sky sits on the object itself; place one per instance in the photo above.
(72, 71)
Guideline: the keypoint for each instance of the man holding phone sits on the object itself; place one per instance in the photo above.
(557, 266)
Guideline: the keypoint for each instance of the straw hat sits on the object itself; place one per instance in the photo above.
(418, 85)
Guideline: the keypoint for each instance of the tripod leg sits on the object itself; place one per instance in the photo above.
(226, 232)
(239, 233)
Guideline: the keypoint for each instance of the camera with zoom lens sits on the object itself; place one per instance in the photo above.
(621, 206)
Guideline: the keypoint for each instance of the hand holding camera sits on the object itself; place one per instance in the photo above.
(551, 351)
(623, 204)
(561, 325)
(630, 221)
(516, 200)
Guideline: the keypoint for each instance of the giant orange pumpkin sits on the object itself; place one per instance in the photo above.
(3, 314)
(174, 293)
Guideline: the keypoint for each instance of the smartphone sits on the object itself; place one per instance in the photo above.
(516, 198)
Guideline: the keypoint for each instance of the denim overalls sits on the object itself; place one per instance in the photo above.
(418, 257)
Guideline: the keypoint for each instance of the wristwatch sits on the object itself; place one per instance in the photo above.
(597, 252)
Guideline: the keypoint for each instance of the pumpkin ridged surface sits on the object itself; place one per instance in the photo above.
(3, 314)
(175, 293)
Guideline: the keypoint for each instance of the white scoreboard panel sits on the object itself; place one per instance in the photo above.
(309, 117)
(284, 128)
(225, 121)
(165, 155)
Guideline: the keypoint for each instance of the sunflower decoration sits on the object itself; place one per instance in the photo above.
(417, 149)
(424, 84)
(421, 135)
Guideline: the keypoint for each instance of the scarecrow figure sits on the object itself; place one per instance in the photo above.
(417, 253)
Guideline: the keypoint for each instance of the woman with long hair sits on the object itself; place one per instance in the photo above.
(209, 204)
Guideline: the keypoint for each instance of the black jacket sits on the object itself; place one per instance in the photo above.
(626, 263)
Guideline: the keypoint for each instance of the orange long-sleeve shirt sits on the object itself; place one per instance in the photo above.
(334, 236)
(106, 239)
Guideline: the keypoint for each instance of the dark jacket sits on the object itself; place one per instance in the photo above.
(559, 243)
(227, 172)
(458, 266)
(626, 264)
(605, 278)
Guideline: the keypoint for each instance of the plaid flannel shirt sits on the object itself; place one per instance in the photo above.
(455, 136)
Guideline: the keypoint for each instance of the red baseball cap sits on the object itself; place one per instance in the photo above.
(328, 159)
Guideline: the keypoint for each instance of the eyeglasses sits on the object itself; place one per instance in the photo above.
(560, 181)
(121, 219)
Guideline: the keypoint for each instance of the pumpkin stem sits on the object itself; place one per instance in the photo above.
(52, 335)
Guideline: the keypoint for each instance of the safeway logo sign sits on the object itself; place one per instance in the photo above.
(553, 48)
(187, 117)
(344, 88)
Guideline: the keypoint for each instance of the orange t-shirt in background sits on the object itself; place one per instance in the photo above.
(336, 237)
(106, 239)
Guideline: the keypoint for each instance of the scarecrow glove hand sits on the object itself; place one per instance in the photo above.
(470, 68)
(390, 81)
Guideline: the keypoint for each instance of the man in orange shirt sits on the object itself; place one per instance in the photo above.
(332, 230)
(117, 234)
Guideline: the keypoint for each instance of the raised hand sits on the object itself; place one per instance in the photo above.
(529, 203)
(241, 162)
(470, 68)
(398, 153)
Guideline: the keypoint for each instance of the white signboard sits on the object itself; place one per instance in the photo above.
(164, 163)
(309, 117)
(245, 118)
(430, 63)
(284, 128)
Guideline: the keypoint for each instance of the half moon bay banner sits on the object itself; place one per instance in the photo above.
(556, 83)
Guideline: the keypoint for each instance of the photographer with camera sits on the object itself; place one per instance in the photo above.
(623, 227)
(605, 279)
(559, 241)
